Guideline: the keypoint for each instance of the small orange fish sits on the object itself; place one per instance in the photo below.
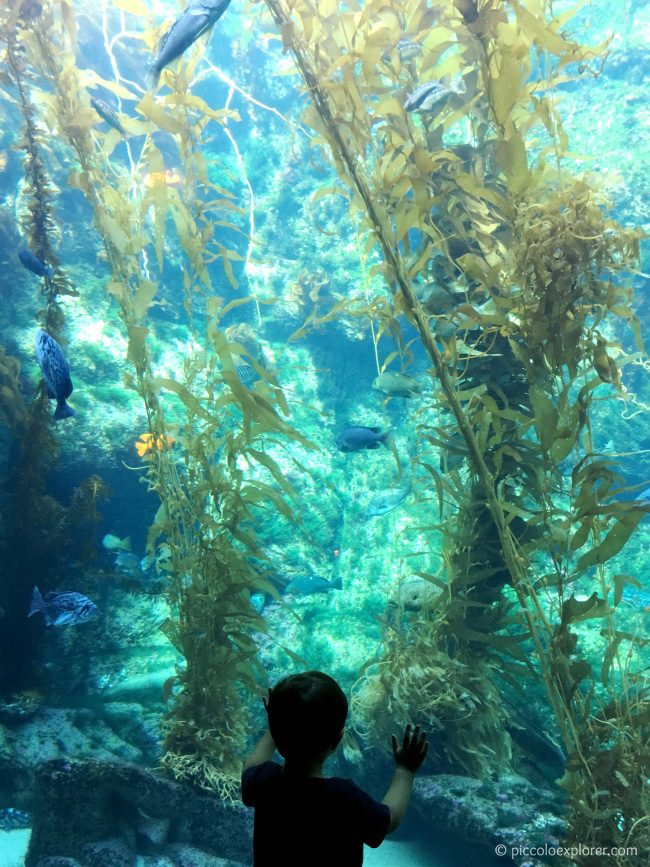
(170, 177)
(147, 443)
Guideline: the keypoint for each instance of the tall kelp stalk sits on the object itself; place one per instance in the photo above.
(218, 477)
(537, 258)
(36, 529)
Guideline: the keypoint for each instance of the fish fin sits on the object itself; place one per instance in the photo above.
(63, 411)
(388, 439)
(153, 75)
(374, 445)
(337, 583)
(37, 603)
(375, 429)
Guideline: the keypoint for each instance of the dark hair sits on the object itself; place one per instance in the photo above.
(307, 712)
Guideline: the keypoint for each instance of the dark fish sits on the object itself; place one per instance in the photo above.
(192, 23)
(104, 110)
(433, 94)
(34, 264)
(62, 609)
(312, 584)
(385, 501)
(356, 438)
(55, 373)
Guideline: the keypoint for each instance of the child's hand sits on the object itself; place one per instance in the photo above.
(413, 750)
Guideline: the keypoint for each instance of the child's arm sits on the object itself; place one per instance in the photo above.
(263, 752)
(408, 759)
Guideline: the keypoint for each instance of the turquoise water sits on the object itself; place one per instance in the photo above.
(264, 472)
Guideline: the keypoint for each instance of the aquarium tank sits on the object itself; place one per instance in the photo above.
(323, 347)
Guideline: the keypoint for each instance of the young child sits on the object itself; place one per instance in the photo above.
(303, 819)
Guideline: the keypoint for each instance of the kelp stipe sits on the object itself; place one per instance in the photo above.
(37, 530)
(491, 212)
(203, 534)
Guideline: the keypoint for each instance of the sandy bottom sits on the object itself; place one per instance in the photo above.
(13, 847)
(396, 853)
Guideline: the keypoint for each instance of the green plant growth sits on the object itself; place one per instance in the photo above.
(38, 532)
(493, 213)
(218, 473)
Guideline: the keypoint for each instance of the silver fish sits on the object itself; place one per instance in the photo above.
(397, 384)
(406, 49)
(385, 501)
(199, 17)
(433, 94)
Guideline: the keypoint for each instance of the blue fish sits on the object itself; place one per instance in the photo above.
(34, 264)
(62, 609)
(308, 584)
(357, 437)
(108, 114)
(192, 23)
(246, 373)
(55, 373)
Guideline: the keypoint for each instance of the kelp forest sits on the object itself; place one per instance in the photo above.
(489, 264)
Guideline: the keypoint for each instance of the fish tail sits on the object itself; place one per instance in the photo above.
(37, 603)
(153, 76)
(337, 583)
(388, 439)
(63, 411)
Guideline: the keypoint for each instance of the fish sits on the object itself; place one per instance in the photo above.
(308, 584)
(639, 599)
(56, 373)
(433, 94)
(108, 114)
(147, 444)
(357, 437)
(195, 20)
(62, 609)
(397, 384)
(168, 178)
(437, 299)
(385, 501)
(114, 543)
(246, 374)
(127, 562)
(34, 264)
(643, 497)
(406, 49)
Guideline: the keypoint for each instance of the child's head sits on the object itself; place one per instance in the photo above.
(307, 713)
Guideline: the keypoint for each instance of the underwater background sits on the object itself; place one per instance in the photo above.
(348, 302)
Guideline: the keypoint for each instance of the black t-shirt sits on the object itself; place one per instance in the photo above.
(310, 822)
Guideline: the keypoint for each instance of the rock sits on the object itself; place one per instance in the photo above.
(108, 853)
(508, 810)
(58, 862)
(182, 855)
(109, 814)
